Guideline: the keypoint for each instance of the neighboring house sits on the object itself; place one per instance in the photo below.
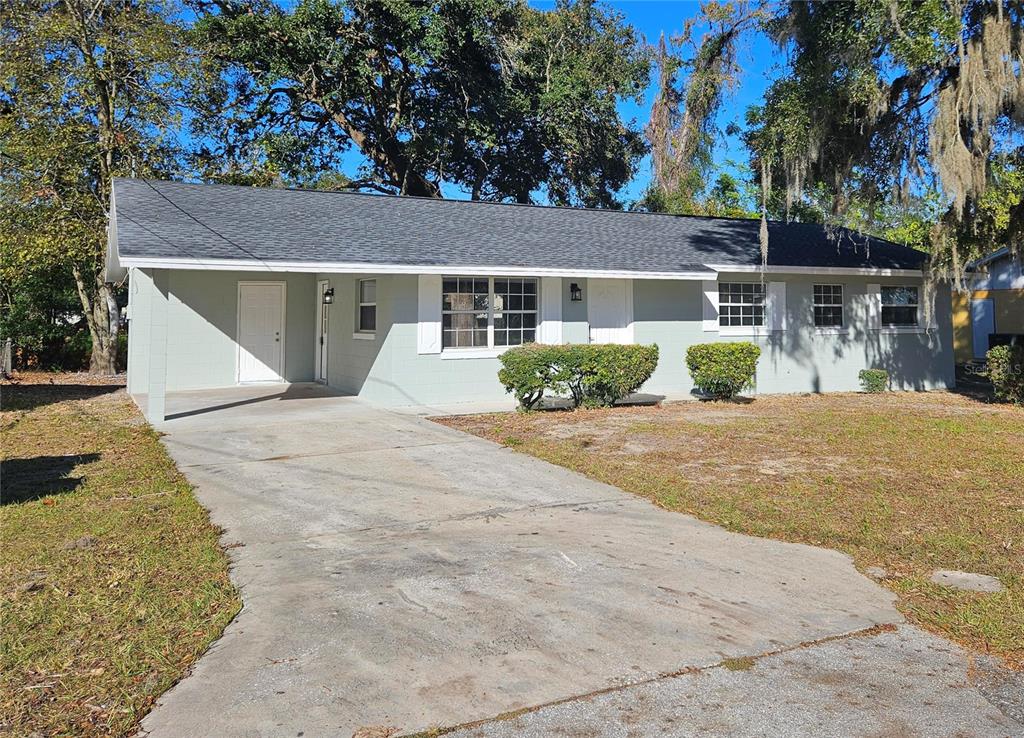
(991, 310)
(409, 301)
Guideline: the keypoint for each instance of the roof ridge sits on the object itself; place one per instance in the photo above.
(499, 203)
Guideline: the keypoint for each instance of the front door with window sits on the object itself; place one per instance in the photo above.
(261, 331)
(322, 313)
(610, 310)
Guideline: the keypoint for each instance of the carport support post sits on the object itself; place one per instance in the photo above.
(156, 405)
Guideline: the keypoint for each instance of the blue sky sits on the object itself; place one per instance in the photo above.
(759, 59)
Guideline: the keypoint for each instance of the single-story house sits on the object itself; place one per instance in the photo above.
(991, 309)
(410, 301)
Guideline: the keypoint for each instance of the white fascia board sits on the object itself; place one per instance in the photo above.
(865, 271)
(251, 265)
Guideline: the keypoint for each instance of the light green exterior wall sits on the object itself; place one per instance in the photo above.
(202, 322)
(202, 325)
(799, 359)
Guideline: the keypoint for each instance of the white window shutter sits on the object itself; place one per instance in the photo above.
(874, 304)
(428, 334)
(930, 306)
(776, 306)
(550, 310)
(710, 303)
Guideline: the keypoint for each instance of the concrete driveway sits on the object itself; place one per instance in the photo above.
(398, 573)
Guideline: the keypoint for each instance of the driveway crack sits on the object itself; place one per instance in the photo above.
(733, 663)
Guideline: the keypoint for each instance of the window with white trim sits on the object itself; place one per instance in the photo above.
(900, 306)
(828, 306)
(366, 313)
(488, 312)
(740, 304)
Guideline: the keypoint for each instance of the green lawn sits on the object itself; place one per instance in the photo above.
(907, 482)
(113, 579)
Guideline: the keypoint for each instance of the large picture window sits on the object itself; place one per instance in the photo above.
(740, 304)
(900, 306)
(828, 306)
(482, 312)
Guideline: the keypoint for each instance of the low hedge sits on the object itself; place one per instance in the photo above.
(1006, 372)
(874, 380)
(592, 375)
(723, 370)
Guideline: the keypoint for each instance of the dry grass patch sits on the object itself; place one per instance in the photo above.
(908, 482)
(112, 578)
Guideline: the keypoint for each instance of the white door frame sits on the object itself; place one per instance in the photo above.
(322, 314)
(991, 309)
(238, 327)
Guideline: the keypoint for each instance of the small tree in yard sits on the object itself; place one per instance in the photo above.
(1006, 370)
(723, 370)
(88, 92)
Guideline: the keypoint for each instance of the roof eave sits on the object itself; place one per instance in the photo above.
(253, 265)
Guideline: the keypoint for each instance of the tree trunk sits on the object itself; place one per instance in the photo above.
(102, 316)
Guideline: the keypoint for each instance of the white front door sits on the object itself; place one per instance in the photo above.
(260, 331)
(610, 310)
(322, 313)
(983, 323)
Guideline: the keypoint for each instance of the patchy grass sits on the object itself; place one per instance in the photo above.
(908, 482)
(112, 578)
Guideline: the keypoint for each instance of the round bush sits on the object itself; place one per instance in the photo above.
(723, 370)
(874, 380)
(1006, 371)
(593, 375)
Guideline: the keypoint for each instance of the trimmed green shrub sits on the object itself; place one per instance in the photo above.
(874, 380)
(1006, 371)
(529, 370)
(723, 370)
(593, 375)
(610, 371)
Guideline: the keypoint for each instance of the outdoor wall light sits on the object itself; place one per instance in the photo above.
(328, 296)
(575, 292)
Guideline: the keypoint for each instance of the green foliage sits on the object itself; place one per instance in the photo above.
(874, 380)
(592, 375)
(723, 370)
(1006, 371)
(41, 314)
(901, 119)
(88, 91)
(728, 197)
(492, 96)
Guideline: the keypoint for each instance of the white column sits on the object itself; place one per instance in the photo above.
(156, 395)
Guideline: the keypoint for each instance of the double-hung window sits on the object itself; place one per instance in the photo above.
(828, 306)
(488, 312)
(900, 306)
(740, 304)
(366, 316)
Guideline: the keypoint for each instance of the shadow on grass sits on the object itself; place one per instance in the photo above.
(24, 480)
(31, 396)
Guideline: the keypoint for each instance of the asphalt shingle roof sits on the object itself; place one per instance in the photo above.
(157, 219)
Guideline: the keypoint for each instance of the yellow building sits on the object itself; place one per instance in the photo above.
(992, 305)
